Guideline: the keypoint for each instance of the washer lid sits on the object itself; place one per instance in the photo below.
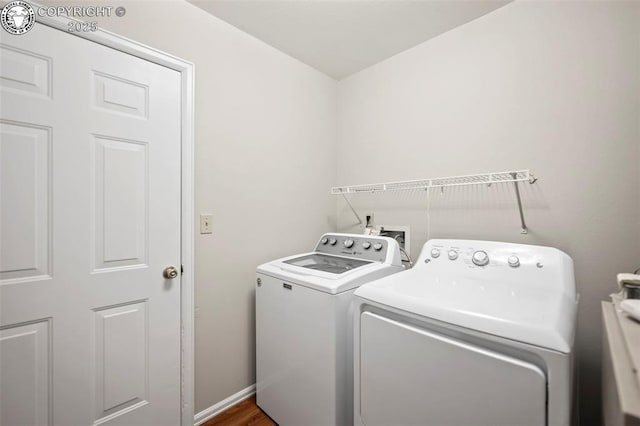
(327, 263)
(528, 304)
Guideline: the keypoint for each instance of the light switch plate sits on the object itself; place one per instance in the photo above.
(206, 224)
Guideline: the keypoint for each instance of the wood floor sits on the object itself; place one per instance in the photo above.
(245, 413)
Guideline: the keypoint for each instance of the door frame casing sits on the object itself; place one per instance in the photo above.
(187, 133)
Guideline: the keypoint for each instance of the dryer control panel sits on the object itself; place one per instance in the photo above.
(526, 264)
(366, 247)
(472, 254)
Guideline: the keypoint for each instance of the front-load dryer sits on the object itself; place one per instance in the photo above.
(304, 327)
(476, 334)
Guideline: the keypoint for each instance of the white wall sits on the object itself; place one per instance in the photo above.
(265, 161)
(550, 86)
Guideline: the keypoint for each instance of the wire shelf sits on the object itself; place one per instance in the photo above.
(422, 184)
(489, 179)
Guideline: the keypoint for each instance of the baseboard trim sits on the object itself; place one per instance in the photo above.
(219, 407)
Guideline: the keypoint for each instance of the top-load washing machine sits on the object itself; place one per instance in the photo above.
(304, 327)
(477, 333)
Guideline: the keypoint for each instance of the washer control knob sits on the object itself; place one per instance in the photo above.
(452, 254)
(348, 243)
(377, 246)
(325, 240)
(333, 241)
(366, 245)
(480, 258)
(513, 261)
(435, 253)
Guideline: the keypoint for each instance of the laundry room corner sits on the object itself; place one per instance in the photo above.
(546, 86)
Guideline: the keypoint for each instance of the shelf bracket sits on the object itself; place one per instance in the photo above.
(524, 229)
(355, 213)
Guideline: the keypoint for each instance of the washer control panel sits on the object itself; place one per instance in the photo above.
(367, 247)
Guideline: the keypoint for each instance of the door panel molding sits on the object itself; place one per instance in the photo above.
(187, 73)
(121, 357)
(26, 72)
(26, 148)
(28, 345)
(119, 95)
(120, 203)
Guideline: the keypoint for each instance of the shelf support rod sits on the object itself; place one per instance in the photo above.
(352, 209)
(522, 222)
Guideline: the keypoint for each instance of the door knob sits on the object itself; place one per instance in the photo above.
(170, 272)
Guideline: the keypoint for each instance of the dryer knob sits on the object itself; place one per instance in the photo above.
(452, 254)
(333, 241)
(377, 246)
(435, 253)
(348, 243)
(366, 245)
(324, 240)
(480, 258)
(513, 261)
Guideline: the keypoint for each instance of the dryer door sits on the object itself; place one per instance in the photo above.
(410, 376)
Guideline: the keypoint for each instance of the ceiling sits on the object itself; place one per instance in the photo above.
(342, 37)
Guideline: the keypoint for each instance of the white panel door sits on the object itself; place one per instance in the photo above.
(89, 218)
(411, 376)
